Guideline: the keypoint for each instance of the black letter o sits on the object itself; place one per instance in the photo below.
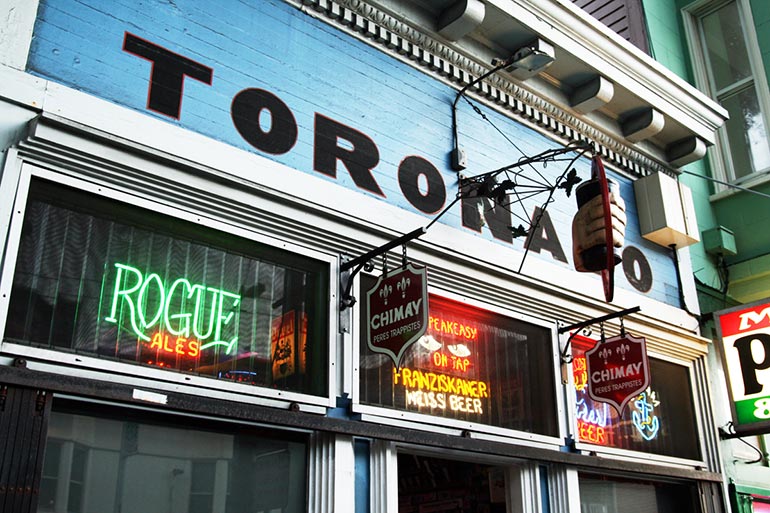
(246, 109)
(632, 256)
(409, 172)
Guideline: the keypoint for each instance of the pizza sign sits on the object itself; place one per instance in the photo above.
(618, 370)
(398, 311)
(745, 347)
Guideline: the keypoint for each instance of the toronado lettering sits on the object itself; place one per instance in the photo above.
(632, 369)
(184, 310)
(337, 146)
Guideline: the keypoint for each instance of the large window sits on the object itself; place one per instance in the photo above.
(118, 463)
(472, 365)
(105, 279)
(660, 420)
(602, 494)
(729, 67)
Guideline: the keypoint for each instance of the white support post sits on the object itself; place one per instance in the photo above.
(563, 492)
(384, 477)
(523, 489)
(332, 471)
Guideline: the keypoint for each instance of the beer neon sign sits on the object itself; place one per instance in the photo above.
(434, 390)
(195, 316)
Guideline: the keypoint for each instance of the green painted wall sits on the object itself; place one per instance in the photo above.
(748, 216)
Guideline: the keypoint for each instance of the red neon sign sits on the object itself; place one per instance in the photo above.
(181, 346)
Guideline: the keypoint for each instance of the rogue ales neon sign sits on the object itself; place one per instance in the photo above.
(194, 316)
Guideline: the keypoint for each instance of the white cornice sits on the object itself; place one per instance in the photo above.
(402, 29)
(575, 31)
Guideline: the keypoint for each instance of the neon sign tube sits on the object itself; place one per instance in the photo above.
(183, 309)
(644, 419)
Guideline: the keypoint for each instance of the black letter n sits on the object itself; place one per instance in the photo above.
(167, 75)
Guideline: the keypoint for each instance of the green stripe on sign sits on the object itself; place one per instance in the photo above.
(753, 410)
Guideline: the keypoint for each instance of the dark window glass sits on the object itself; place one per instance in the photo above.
(661, 420)
(472, 365)
(600, 494)
(446, 486)
(47, 499)
(136, 465)
(102, 278)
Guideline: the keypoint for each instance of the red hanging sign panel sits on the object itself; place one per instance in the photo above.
(398, 311)
(618, 370)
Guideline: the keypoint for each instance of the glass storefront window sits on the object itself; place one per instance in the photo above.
(113, 281)
(729, 48)
(113, 465)
(472, 365)
(661, 420)
(601, 494)
(434, 485)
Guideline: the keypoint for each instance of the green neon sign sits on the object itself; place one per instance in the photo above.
(183, 309)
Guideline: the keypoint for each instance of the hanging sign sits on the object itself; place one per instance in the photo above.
(398, 311)
(618, 370)
(745, 348)
(599, 227)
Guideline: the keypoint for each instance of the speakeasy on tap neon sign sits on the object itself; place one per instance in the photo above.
(437, 390)
(196, 316)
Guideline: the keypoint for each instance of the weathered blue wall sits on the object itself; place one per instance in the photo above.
(313, 68)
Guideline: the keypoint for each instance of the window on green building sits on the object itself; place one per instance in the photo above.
(728, 66)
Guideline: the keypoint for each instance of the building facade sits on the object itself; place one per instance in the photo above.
(202, 205)
(722, 48)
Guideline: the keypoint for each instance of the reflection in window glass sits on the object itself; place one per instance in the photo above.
(747, 133)
(140, 467)
(732, 83)
(102, 278)
(446, 486)
(661, 420)
(599, 494)
(472, 365)
(726, 48)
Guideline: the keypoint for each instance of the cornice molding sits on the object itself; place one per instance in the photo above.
(574, 30)
(395, 36)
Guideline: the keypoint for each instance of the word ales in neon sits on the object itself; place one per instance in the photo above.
(185, 310)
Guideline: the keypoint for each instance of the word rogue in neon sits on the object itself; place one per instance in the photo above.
(184, 309)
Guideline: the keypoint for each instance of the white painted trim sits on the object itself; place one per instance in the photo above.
(28, 171)
(383, 484)
(149, 383)
(18, 21)
(721, 164)
(576, 32)
(344, 465)
(563, 489)
(523, 491)
(424, 422)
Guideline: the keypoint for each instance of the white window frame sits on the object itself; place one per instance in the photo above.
(651, 457)
(721, 164)
(14, 190)
(477, 430)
